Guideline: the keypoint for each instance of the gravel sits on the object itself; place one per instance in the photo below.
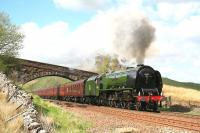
(104, 123)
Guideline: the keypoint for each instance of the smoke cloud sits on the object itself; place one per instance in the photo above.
(133, 37)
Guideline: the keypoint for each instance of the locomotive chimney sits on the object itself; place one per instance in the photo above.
(138, 65)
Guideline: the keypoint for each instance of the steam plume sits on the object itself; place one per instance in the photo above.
(133, 37)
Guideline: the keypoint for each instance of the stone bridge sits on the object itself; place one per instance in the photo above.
(29, 70)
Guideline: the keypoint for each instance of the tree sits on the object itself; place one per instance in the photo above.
(10, 43)
(10, 37)
(106, 63)
(102, 63)
(115, 65)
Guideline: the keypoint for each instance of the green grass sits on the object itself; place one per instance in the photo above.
(181, 109)
(181, 84)
(44, 82)
(195, 111)
(64, 122)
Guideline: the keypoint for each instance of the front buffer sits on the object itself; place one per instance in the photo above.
(148, 102)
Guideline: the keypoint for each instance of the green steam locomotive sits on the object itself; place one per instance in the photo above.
(139, 88)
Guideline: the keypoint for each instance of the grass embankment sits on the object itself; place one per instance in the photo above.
(185, 95)
(58, 120)
(45, 82)
(188, 85)
(182, 94)
(183, 99)
(6, 111)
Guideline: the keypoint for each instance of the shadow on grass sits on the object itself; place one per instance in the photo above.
(180, 108)
(73, 105)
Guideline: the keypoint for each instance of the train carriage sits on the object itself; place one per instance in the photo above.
(75, 89)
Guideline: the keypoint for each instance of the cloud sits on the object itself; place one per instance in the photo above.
(56, 44)
(187, 29)
(177, 38)
(95, 5)
(78, 5)
(175, 51)
(173, 12)
(178, 1)
(42, 43)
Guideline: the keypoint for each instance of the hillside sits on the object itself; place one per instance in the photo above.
(44, 82)
(191, 85)
(181, 93)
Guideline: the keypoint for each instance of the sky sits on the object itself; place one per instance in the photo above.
(72, 32)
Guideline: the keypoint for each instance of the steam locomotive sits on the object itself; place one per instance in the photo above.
(139, 87)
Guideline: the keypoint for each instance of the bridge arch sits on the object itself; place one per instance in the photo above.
(29, 78)
(30, 70)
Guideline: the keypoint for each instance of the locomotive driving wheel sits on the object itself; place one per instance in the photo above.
(123, 104)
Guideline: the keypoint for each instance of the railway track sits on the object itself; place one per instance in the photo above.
(178, 122)
(197, 117)
(191, 123)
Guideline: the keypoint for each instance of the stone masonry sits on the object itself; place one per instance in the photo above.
(24, 100)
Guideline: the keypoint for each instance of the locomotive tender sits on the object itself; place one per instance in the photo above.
(139, 87)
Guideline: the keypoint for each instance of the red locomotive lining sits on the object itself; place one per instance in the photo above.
(149, 98)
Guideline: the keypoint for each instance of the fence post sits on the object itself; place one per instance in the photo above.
(12, 95)
(189, 103)
(170, 101)
(15, 116)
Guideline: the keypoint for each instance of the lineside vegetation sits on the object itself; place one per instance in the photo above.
(182, 94)
(10, 43)
(59, 121)
(6, 111)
